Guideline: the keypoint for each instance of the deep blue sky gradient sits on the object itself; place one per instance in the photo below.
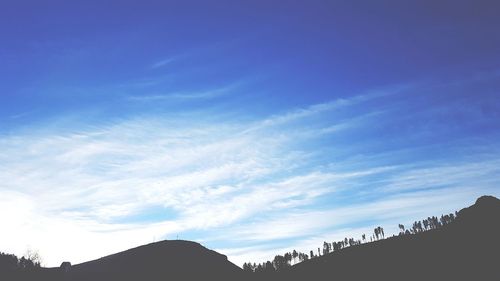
(63, 56)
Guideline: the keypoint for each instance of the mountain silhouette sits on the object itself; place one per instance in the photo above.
(173, 260)
(166, 260)
(466, 249)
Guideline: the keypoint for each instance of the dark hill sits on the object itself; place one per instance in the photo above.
(166, 260)
(466, 249)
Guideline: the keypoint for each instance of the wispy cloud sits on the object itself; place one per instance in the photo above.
(21, 115)
(191, 95)
(208, 94)
(257, 181)
(316, 109)
(477, 173)
(163, 62)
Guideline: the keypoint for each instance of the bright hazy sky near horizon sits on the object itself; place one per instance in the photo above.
(253, 128)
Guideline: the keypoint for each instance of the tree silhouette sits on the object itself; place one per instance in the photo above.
(326, 248)
(33, 256)
(417, 227)
(258, 268)
(401, 229)
(288, 258)
(9, 262)
(426, 224)
(379, 232)
(247, 268)
(282, 262)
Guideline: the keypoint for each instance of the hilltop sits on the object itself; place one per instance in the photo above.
(175, 259)
(169, 259)
(466, 249)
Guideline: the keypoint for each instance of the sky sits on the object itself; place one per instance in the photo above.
(251, 127)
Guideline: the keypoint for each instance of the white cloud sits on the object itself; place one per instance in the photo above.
(70, 186)
(163, 62)
(189, 95)
(445, 175)
(69, 193)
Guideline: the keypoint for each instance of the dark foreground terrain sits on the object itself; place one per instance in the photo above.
(466, 249)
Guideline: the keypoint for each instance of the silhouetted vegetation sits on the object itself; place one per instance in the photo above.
(282, 262)
(429, 223)
(13, 268)
(460, 246)
(10, 262)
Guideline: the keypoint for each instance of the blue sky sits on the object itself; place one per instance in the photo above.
(252, 128)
